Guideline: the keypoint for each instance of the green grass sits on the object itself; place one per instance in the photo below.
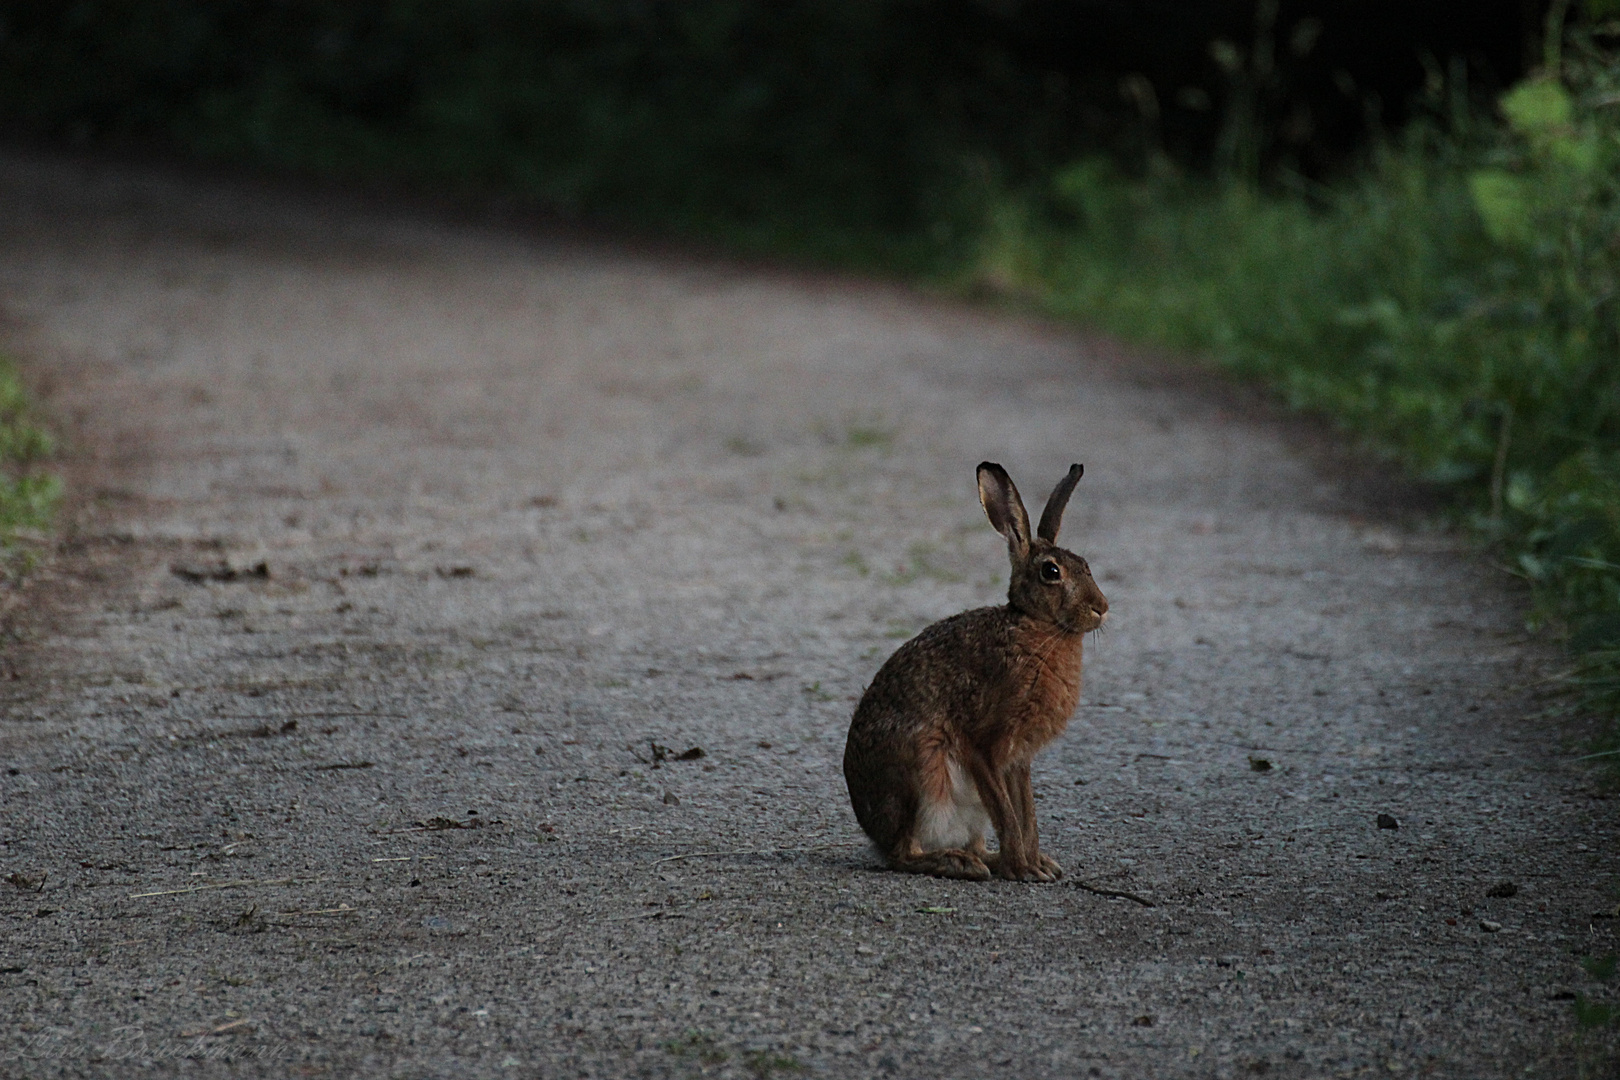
(1591, 1013)
(1454, 308)
(698, 1046)
(28, 494)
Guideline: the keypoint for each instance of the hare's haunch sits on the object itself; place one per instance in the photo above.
(940, 746)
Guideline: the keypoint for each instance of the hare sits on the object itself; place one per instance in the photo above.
(940, 746)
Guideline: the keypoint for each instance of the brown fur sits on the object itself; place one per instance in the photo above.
(986, 689)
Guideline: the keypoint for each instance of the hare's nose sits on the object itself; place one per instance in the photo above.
(1100, 605)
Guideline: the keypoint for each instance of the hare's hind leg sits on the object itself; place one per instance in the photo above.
(943, 862)
(947, 837)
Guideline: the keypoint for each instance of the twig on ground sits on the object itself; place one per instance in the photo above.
(661, 914)
(308, 715)
(1121, 893)
(443, 824)
(238, 884)
(222, 1029)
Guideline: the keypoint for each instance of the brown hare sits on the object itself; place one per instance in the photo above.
(940, 745)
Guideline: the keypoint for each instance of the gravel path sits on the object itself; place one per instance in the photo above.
(411, 557)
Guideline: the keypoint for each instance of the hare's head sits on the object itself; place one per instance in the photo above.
(1048, 582)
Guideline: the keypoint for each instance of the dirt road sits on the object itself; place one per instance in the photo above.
(412, 555)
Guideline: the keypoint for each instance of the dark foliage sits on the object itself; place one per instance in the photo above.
(793, 116)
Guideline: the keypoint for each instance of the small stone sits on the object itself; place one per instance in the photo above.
(1503, 890)
(1387, 821)
(1259, 764)
(1489, 926)
(671, 799)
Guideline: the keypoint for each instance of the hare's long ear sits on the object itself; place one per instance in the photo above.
(1052, 516)
(1005, 509)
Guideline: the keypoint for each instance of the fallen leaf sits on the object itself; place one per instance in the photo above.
(199, 572)
(438, 824)
(26, 883)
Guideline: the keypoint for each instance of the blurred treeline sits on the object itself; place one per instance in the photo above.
(853, 127)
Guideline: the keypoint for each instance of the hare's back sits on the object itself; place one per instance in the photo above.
(943, 675)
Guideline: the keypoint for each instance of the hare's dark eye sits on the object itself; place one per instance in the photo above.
(1051, 573)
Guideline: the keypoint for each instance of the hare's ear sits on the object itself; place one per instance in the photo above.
(1052, 516)
(1005, 509)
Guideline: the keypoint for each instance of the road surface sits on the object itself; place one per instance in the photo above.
(353, 728)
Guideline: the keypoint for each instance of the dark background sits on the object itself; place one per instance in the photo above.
(869, 115)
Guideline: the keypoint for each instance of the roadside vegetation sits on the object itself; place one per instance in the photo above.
(28, 493)
(1453, 307)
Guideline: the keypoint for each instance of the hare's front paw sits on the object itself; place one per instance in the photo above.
(1050, 865)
